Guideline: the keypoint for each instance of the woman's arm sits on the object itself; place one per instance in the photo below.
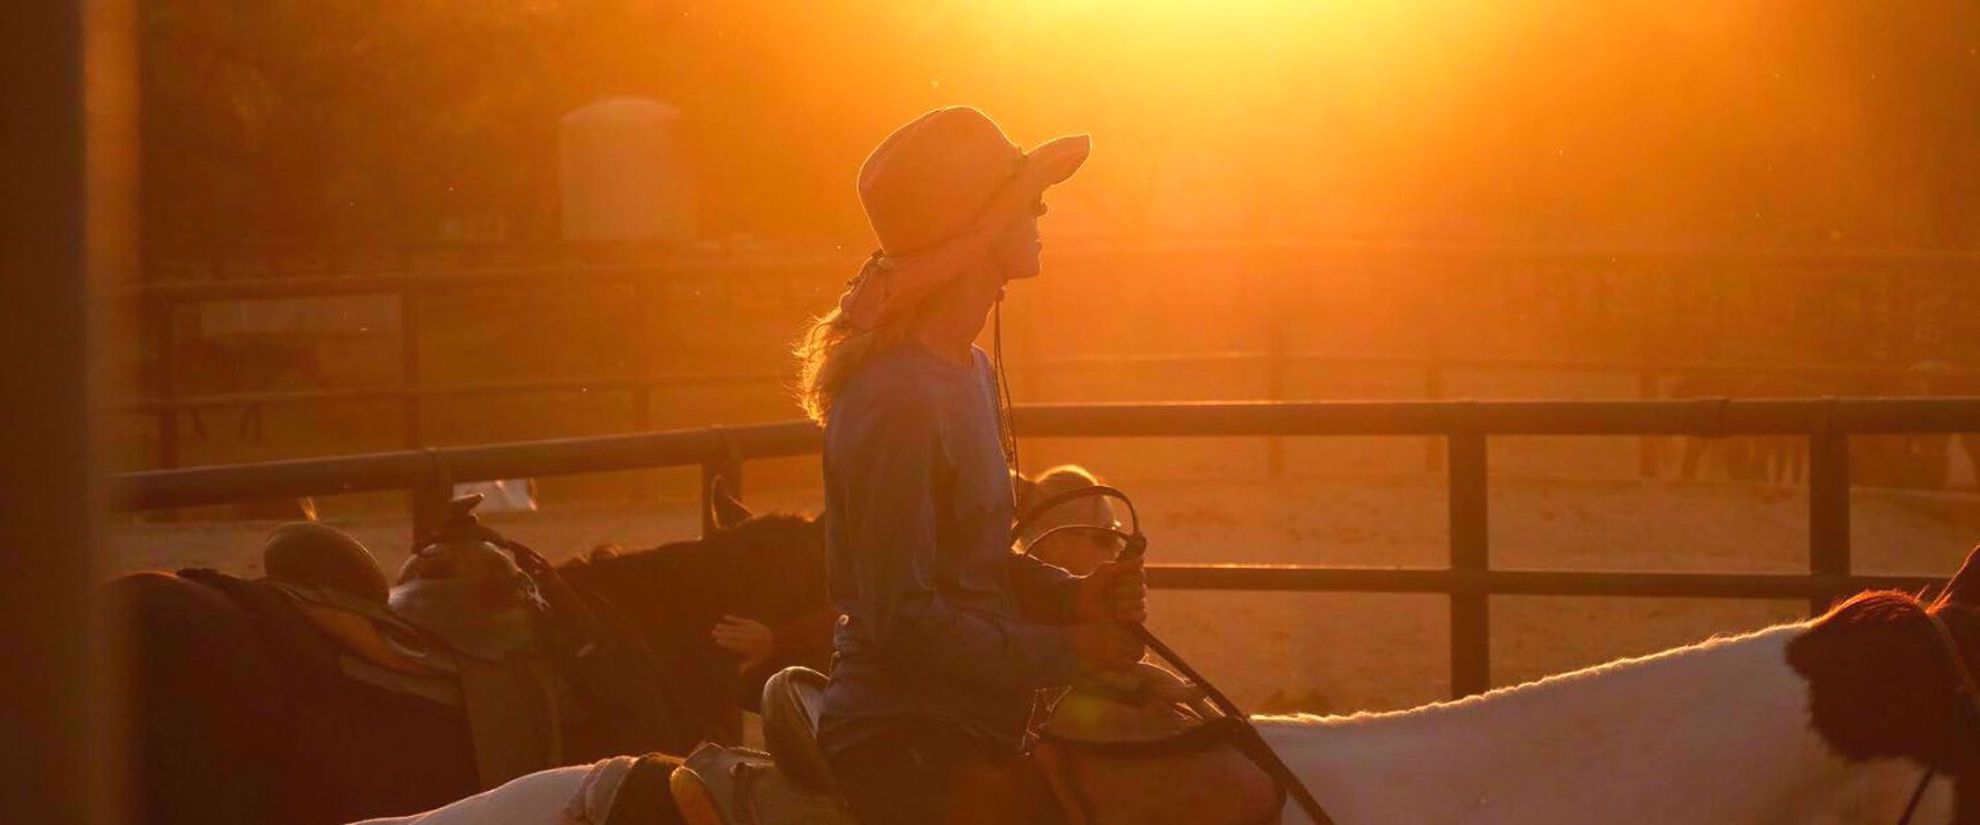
(1045, 592)
(889, 475)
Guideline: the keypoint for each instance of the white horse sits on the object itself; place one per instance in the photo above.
(1822, 722)
(1833, 720)
(1714, 733)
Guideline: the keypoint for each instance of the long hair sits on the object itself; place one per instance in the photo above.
(830, 353)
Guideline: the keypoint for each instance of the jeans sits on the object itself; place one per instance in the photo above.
(904, 775)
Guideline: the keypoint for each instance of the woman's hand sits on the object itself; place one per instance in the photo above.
(1115, 591)
(1104, 646)
(748, 638)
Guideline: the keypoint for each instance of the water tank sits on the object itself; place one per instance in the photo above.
(625, 173)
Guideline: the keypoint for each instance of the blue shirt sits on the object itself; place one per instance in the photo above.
(941, 620)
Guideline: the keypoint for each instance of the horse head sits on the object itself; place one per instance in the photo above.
(1891, 676)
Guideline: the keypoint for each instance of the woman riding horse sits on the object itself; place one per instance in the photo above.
(946, 632)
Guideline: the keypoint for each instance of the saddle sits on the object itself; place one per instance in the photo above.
(1147, 712)
(787, 784)
(455, 629)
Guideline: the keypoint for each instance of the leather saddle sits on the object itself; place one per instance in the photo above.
(1147, 711)
(456, 629)
(787, 784)
(457, 596)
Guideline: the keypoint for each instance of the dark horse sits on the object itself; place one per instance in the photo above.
(232, 722)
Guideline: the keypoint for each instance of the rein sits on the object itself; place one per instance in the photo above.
(1243, 734)
(1966, 693)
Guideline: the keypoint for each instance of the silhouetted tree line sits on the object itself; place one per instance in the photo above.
(1757, 123)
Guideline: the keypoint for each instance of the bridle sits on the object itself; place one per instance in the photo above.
(1966, 695)
(1240, 732)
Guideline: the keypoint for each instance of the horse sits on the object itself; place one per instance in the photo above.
(234, 720)
(1830, 721)
(1865, 714)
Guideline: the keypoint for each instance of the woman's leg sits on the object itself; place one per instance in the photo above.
(905, 774)
(559, 796)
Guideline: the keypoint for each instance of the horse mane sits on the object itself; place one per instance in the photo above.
(759, 530)
(1538, 690)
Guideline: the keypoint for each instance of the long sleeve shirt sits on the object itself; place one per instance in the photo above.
(941, 620)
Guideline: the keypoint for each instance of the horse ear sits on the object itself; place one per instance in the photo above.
(724, 508)
(1964, 586)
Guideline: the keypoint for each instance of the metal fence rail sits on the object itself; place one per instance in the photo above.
(648, 279)
(1468, 579)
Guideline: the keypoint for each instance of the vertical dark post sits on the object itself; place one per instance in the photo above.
(1899, 333)
(1276, 295)
(1471, 636)
(1433, 390)
(429, 499)
(1828, 512)
(409, 365)
(164, 377)
(1433, 365)
(1646, 445)
(69, 147)
(642, 341)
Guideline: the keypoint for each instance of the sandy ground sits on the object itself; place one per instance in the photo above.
(1335, 652)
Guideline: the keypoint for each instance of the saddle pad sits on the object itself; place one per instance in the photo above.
(721, 785)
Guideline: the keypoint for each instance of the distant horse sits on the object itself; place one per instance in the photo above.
(1832, 721)
(236, 720)
(1766, 459)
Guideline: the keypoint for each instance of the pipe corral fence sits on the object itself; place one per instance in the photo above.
(1469, 579)
(1900, 279)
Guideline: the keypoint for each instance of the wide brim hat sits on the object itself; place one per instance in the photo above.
(937, 192)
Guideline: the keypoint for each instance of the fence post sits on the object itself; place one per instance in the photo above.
(1433, 366)
(1275, 294)
(164, 379)
(643, 319)
(1828, 510)
(1646, 445)
(1471, 636)
(409, 365)
(429, 499)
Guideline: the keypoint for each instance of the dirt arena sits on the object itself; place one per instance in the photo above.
(1322, 652)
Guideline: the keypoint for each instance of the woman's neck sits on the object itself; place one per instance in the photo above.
(955, 316)
(1718, 732)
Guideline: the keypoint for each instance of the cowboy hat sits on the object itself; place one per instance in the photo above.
(937, 192)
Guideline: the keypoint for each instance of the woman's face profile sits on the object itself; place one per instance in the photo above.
(1016, 251)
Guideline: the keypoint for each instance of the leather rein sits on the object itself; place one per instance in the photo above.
(1966, 693)
(1241, 732)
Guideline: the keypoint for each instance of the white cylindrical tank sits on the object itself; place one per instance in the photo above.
(625, 173)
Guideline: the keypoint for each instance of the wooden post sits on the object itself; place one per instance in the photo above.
(1433, 366)
(1828, 510)
(1646, 445)
(429, 500)
(164, 378)
(1471, 635)
(409, 366)
(1275, 364)
(1433, 390)
(643, 299)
